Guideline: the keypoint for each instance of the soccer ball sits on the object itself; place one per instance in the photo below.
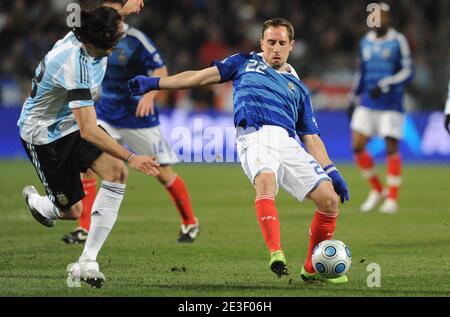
(331, 258)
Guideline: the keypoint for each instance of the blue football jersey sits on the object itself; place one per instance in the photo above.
(265, 96)
(387, 63)
(134, 55)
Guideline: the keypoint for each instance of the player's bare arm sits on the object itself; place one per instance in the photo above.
(146, 104)
(87, 122)
(132, 6)
(314, 145)
(190, 79)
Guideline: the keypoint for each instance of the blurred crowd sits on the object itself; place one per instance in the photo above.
(192, 33)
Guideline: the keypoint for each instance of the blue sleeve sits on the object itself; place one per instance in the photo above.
(306, 123)
(229, 67)
(150, 56)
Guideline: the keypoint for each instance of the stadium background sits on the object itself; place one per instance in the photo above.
(192, 33)
(141, 257)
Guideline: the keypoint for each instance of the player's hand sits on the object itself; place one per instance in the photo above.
(447, 123)
(141, 85)
(376, 92)
(145, 164)
(132, 6)
(339, 184)
(146, 106)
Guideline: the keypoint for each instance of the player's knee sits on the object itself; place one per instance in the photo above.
(265, 184)
(118, 173)
(329, 203)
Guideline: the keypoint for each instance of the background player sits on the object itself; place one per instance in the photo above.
(59, 132)
(271, 106)
(134, 121)
(386, 67)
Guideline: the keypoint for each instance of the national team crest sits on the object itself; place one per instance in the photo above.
(62, 199)
(386, 53)
(123, 59)
(291, 86)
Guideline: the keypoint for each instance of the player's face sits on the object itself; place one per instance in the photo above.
(385, 23)
(276, 46)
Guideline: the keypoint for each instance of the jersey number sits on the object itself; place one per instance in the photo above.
(255, 66)
(38, 79)
(317, 168)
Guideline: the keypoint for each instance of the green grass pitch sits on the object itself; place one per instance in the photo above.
(229, 258)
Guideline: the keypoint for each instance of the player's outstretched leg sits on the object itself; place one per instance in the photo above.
(269, 223)
(321, 229)
(104, 215)
(267, 215)
(190, 226)
(41, 207)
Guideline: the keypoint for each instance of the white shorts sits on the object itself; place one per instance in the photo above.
(373, 123)
(148, 141)
(270, 149)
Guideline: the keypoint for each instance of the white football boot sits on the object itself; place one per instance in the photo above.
(26, 193)
(188, 233)
(87, 271)
(390, 206)
(373, 200)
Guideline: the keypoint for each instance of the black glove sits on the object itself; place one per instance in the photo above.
(376, 92)
(447, 123)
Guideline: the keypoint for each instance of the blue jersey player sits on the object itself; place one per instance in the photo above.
(272, 106)
(385, 68)
(134, 121)
(59, 131)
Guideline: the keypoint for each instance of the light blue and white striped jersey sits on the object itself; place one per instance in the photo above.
(385, 62)
(265, 96)
(66, 79)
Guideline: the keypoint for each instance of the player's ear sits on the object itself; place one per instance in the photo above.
(261, 42)
(292, 45)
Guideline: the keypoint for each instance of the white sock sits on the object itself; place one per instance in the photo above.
(44, 206)
(104, 214)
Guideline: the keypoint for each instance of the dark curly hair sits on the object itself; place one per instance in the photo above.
(99, 27)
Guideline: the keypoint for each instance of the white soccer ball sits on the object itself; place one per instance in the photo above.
(331, 258)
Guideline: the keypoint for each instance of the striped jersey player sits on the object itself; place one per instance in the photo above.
(59, 132)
